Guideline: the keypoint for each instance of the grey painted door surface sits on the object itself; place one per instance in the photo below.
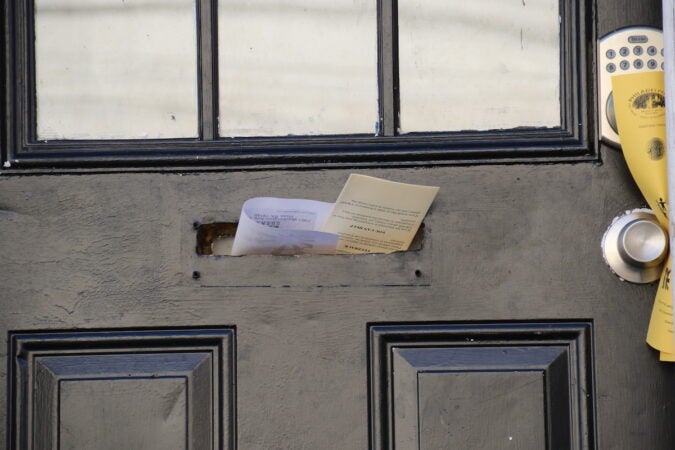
(505, 330)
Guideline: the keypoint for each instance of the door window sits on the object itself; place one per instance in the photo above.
(480, 65)
(115, 70)
(113, 83)
(297, 67)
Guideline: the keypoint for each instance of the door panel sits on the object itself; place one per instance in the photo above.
(504, 246)
(123, 390)
(496, 385)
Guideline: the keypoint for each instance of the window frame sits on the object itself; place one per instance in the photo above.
(572, 141)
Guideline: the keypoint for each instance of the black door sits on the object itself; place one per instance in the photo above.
(505, 329)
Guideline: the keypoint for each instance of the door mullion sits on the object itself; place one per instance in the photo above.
(388, 67)
(207, 30)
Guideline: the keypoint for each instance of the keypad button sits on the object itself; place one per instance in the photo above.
(623, 51)
(611, 53)
(611, 67)
(651, 50)
(624, 65)
(637, 50)
(652, 64)
(638, 64)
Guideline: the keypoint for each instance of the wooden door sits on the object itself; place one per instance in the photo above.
(504, 330)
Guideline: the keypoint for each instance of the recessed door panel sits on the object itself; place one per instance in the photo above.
(131, 390)
(481, 386)
(456, 420)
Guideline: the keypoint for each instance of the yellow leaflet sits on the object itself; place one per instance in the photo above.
(660, 333)
(372, 215)
(639, 103)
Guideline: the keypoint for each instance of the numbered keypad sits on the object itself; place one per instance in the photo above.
(637, 57)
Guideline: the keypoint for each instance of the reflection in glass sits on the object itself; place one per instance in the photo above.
(299, 67)
(479, 65)
(116, 69)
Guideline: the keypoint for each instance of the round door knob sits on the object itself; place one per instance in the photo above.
(634, 246)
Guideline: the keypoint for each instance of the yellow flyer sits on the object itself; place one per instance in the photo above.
(660, 334)
(373, 215)
(640, 107)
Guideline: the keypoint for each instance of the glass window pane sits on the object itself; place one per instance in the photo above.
(116, 69)
(479, 65)
(297, 67)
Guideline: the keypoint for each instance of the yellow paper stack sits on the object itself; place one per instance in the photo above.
(639, 103)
